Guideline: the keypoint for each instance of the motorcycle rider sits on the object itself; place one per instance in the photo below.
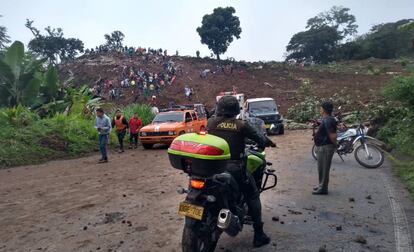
(235, 131)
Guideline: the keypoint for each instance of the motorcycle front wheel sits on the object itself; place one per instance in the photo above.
(194, 240)
(369, 156)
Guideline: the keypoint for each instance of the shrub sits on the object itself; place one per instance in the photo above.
(304, 111)
(398, 121)
(27, 139)
(17, 116)
(144, 112)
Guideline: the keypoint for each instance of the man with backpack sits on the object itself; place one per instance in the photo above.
(326, 144)
(120, 123)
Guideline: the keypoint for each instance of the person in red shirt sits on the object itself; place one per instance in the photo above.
(135, 124)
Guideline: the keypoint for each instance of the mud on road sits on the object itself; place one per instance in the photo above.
(130, 204)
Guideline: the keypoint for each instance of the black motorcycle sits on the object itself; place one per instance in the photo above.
(213, 204)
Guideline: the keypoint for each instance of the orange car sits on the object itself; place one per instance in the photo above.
(168, 125)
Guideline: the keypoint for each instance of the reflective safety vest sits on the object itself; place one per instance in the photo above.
(118, 123)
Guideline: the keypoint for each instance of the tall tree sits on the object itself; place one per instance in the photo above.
(337, 17)
(316, 44)
(4, 38)
(383, 41)
(323, 36)
(53, 45)
(114, 40)
(218, 29)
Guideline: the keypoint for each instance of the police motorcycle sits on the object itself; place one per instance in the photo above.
(213, 203)
(367, 150)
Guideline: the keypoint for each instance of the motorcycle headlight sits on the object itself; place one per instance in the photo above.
(143, 133)
(171, 133)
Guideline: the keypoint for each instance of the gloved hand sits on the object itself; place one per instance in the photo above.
(270, 143)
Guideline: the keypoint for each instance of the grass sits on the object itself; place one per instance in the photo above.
(27, 139)
(405, 170)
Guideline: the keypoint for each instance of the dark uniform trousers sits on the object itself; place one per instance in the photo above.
(234, 132)
(248, 187)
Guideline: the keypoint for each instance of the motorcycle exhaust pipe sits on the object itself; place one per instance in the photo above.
(228, 222)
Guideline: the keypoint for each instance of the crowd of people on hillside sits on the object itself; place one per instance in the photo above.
(139, 81)
(129, 51)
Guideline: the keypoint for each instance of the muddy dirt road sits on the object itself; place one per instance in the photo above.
(130, 204)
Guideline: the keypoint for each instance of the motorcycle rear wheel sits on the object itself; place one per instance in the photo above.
(360, 156)
(314, 152)
(194, 241)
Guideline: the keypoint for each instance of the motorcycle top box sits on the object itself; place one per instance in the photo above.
(199, 154)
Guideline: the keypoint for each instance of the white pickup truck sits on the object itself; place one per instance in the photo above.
(263, 108)
(267, 110)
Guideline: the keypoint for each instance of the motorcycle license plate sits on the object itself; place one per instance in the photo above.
(192, 211)
(267, 126)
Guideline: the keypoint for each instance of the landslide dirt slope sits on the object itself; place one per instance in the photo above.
(356, 78)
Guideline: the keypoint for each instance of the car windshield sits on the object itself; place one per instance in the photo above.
(263, 107)
(168, 117)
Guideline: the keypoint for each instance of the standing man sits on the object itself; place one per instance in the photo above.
(135, 124)
(103, 125)
(121, 125)
(325, 141)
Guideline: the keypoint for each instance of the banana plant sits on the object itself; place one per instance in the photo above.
(82, 102)
(20, 77)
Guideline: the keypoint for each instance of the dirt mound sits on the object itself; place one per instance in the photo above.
(361, 80)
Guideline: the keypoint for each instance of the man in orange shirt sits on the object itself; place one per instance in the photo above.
(120, 124)
(135, 124)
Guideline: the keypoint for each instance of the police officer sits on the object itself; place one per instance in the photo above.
(234, 131)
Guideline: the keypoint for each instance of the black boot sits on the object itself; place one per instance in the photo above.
(260, 238)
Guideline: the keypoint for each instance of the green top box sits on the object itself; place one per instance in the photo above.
(200, 146)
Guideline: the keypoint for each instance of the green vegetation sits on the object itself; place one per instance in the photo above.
(397, 118)
(42, 120)
(144, 112)
(329, 38)
(324, 34)
(309, 106)
(53, 46)
(405, 170)
(26, 138)
(24, 80)
(218, 29)
(114, 40)
(383, 41)
(4, 38)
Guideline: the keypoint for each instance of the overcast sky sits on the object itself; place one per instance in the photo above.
(267, 25)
